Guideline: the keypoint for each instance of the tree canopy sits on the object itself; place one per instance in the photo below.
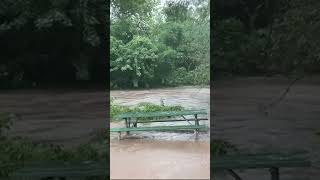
(159, 45)
(266, 37)
(45, 42)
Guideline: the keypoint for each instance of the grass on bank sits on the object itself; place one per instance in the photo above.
(14, 151)
(116, 108)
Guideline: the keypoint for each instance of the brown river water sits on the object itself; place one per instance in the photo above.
(162, 155)
(291, 125)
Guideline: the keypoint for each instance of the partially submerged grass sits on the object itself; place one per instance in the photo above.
(220, 147)
(16, 151)
(116, 109)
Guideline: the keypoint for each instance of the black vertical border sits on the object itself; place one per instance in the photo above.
(211, 81)
(107, 59)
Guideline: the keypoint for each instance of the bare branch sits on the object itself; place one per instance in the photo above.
(266, 108)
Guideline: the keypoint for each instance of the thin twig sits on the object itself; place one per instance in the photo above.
(268, 107)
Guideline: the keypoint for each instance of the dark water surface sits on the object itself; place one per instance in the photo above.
(289, 126)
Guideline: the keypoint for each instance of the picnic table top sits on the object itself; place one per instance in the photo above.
(159, 114)
(161, 128)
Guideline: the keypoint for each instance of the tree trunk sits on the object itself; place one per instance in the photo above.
(135, 83)
(162, 80)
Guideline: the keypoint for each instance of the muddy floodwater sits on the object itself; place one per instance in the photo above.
(70, 117)
(162, 155)
(150, 159)
(67, 117)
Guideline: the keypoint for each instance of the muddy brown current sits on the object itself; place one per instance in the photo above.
(238, 118)
(67, 117)
(162, 155)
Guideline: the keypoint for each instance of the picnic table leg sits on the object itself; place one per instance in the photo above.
(196, 121)
(196, 134)
(274, 171)
(126, 122)
(119, 136)
(128, 125)
(185, 119)
(234, 174)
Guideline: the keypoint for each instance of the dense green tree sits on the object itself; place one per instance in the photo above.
(266, 37)
(45, 42)
(172, 35)
(125, 8)
(295, 42)
(177, 11)
(173, 40)
(137, 60)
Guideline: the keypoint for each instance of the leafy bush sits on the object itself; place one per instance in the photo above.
(116, 109)
(150, 107)
(180, 77)
(201, 75)
(221, 147)
(15, 151)
(5, 122)
(135, 60)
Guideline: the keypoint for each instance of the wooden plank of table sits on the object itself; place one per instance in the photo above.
(170, 120)
(160, 128)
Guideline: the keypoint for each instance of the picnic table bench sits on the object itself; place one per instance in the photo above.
(271, 161)
(131, 121)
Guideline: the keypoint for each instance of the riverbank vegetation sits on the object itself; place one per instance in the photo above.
(64, 43)
(265, 37)
(116, 108)
(159, 44)
(221, 147)
(53, 43)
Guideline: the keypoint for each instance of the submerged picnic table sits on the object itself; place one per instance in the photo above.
(131, 121)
